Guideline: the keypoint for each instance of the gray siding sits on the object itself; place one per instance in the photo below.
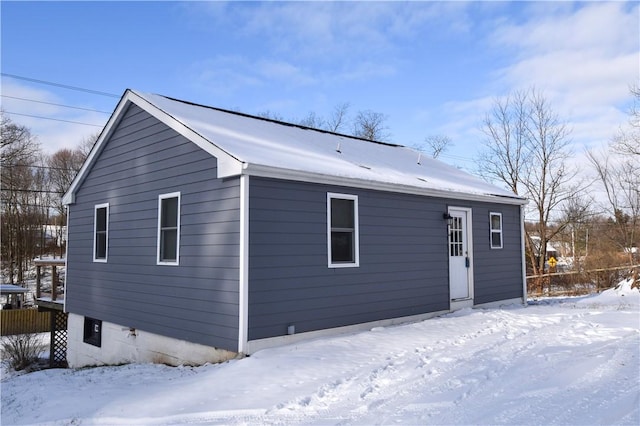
(498, 272)
(195, 301)
(403, 259)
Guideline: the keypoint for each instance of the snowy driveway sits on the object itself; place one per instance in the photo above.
(574, 361)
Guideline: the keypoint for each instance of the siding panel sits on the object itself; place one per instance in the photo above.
(403, 258)
(290, 282)
(195, 301)
(498, 272)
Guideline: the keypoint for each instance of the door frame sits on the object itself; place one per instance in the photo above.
(467, 302)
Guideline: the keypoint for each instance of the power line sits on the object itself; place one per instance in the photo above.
(32, 191)
(64, 86)
(51, 103)
(53, 119)
(36, 167)
(49, 206)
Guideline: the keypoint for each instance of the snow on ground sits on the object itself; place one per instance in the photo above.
(557, 361)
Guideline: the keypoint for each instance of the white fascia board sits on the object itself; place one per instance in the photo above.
(116, 116)
(227, 164)
(302, 176)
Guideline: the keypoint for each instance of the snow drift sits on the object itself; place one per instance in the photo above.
(557, 361)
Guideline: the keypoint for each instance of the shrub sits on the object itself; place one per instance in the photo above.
(21, 350)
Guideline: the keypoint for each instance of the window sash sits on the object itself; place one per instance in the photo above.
(92, 332)
(342, 230)
(101, 232)
(495, 225)
(169, 229)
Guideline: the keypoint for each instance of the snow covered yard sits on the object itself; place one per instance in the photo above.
(558, 361)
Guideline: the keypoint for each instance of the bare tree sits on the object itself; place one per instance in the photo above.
(335, 123)
(63, 166)
(438, 144)
(23, 191)
(619, 179)
(577, 213)
(87, 144)
(270, 115)
(618, 172)
(550, 180)
(313, 120)
(527, 148)
(370, 125)
(506, 151)
(16, 142)
(338, 119)
(32, 189)
(627, 141)
(367, 124)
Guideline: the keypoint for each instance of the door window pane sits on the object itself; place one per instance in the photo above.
(455, 237)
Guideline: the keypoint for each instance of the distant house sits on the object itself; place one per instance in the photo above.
(550, 252)
(195, 234)
(54, 234)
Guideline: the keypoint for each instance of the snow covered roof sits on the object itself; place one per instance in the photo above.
(249, 145)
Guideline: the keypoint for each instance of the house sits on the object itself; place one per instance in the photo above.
(196, 234)
(550, 252)
(12, 296)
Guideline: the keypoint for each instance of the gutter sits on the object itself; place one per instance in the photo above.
(303, 176)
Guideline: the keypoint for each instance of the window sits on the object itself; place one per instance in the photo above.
(92, 332)
(100, 232)
(495, 220)
(169, 229)
(342, 232)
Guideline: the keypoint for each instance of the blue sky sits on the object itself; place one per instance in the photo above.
(429, 67)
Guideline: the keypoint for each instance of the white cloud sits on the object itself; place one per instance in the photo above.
(284, 71)
(225, 75)
(598, 25)
(582, 58)
(305, 43)
(368, 28)
(50, 124)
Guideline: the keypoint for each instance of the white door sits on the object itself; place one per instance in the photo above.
(460, 256)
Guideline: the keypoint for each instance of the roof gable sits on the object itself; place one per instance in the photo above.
(250, 145)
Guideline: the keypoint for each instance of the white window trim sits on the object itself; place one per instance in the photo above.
(356, 231)
(95, 229)
(495, 231)
(158, 260)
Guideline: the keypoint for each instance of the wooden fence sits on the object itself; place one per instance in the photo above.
(22, 321)
(575, 283)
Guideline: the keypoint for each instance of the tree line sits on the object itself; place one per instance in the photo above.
(526, 149)
(32, 186)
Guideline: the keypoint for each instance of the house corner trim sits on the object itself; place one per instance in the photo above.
(243, 291)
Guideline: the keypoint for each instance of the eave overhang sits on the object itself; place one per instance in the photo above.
(228, 165)
(305, 176)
